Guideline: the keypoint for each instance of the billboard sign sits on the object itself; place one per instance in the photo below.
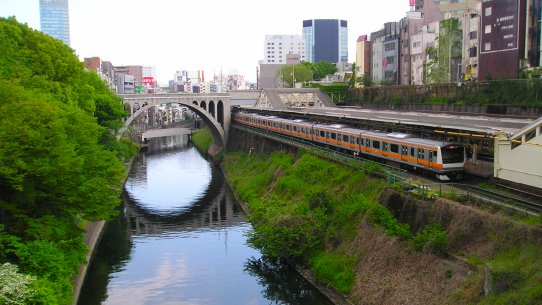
(147, 80)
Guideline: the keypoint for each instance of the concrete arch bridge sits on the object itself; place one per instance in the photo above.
(213, 109)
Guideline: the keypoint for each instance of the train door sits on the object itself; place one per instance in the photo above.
(322, 136)
(359, 143)
(421, 156)
(353, 143)
(431, 156)
(376, 147)
(404, 153)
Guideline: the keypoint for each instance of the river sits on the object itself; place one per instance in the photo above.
(180, 238)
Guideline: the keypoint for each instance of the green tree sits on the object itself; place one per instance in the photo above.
(15, 287)
(353, 78)
(323, 68)
(60, 162)
(365, 80)
(291, 74)
(443, 57)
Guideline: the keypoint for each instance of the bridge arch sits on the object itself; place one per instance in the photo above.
(212, 109)
(139, 103)
(220, 113)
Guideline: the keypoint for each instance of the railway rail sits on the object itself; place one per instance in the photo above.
(400, 178)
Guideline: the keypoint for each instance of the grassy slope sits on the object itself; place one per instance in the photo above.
(283, 189)
(202, 139)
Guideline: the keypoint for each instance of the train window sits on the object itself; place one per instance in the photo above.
(345, 138)
(421, 153)
(376, 144)
(385, 146)
(333, 136)
(394, 148)
(360, 141)
(322, 133)
(367, 142)
(287, 127)
(430, 156)
(412, 151)
(452, 154)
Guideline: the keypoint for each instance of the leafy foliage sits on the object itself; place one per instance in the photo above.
(60, 161)
(15, 287)
(336, 269)
(432, 239)
(322, 68)
(203, 139)
(336, 91)
(291, 74)
(382, 216)
(296, 213)
(441, 57)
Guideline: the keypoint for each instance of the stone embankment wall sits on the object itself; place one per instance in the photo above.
(93, 232)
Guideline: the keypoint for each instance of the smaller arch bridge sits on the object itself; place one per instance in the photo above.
(213, 109)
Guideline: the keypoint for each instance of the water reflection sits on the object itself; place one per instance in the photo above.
(180, 239)
(283, 285)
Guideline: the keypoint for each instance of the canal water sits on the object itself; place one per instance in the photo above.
(179, 238)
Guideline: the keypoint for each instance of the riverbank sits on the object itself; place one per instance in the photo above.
(377, 245)
(203, 142)
(93, 232)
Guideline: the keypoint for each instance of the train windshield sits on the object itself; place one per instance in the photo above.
(453, 154)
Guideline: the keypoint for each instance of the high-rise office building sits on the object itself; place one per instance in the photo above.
(277, 47)
(55, 19)
(326, 40)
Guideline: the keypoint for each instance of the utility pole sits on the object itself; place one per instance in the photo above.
(293, 76)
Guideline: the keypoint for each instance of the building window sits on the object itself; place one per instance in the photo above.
(389, 46)
(473, 52)
(390, 59)
(473, 35)
(487, 46)
(488, 11)
(487, 29)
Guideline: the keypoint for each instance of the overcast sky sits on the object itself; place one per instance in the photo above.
(211, 35)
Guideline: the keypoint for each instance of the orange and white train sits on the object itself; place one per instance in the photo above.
(444, 160)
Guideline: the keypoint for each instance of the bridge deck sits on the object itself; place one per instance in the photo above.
(157, 133)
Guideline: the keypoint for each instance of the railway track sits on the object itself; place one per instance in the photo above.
(470, 191)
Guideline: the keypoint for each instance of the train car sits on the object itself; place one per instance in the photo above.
(445, 160)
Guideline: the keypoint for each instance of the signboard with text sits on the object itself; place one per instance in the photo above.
(500, 22)
(147, 81)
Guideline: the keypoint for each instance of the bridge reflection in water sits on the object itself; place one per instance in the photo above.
(211, 209)
(179, 239)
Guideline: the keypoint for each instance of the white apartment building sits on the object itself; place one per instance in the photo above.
(276, 47)
(420, 41)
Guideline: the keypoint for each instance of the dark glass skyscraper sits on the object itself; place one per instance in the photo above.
(55, 19)
(326, 40)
